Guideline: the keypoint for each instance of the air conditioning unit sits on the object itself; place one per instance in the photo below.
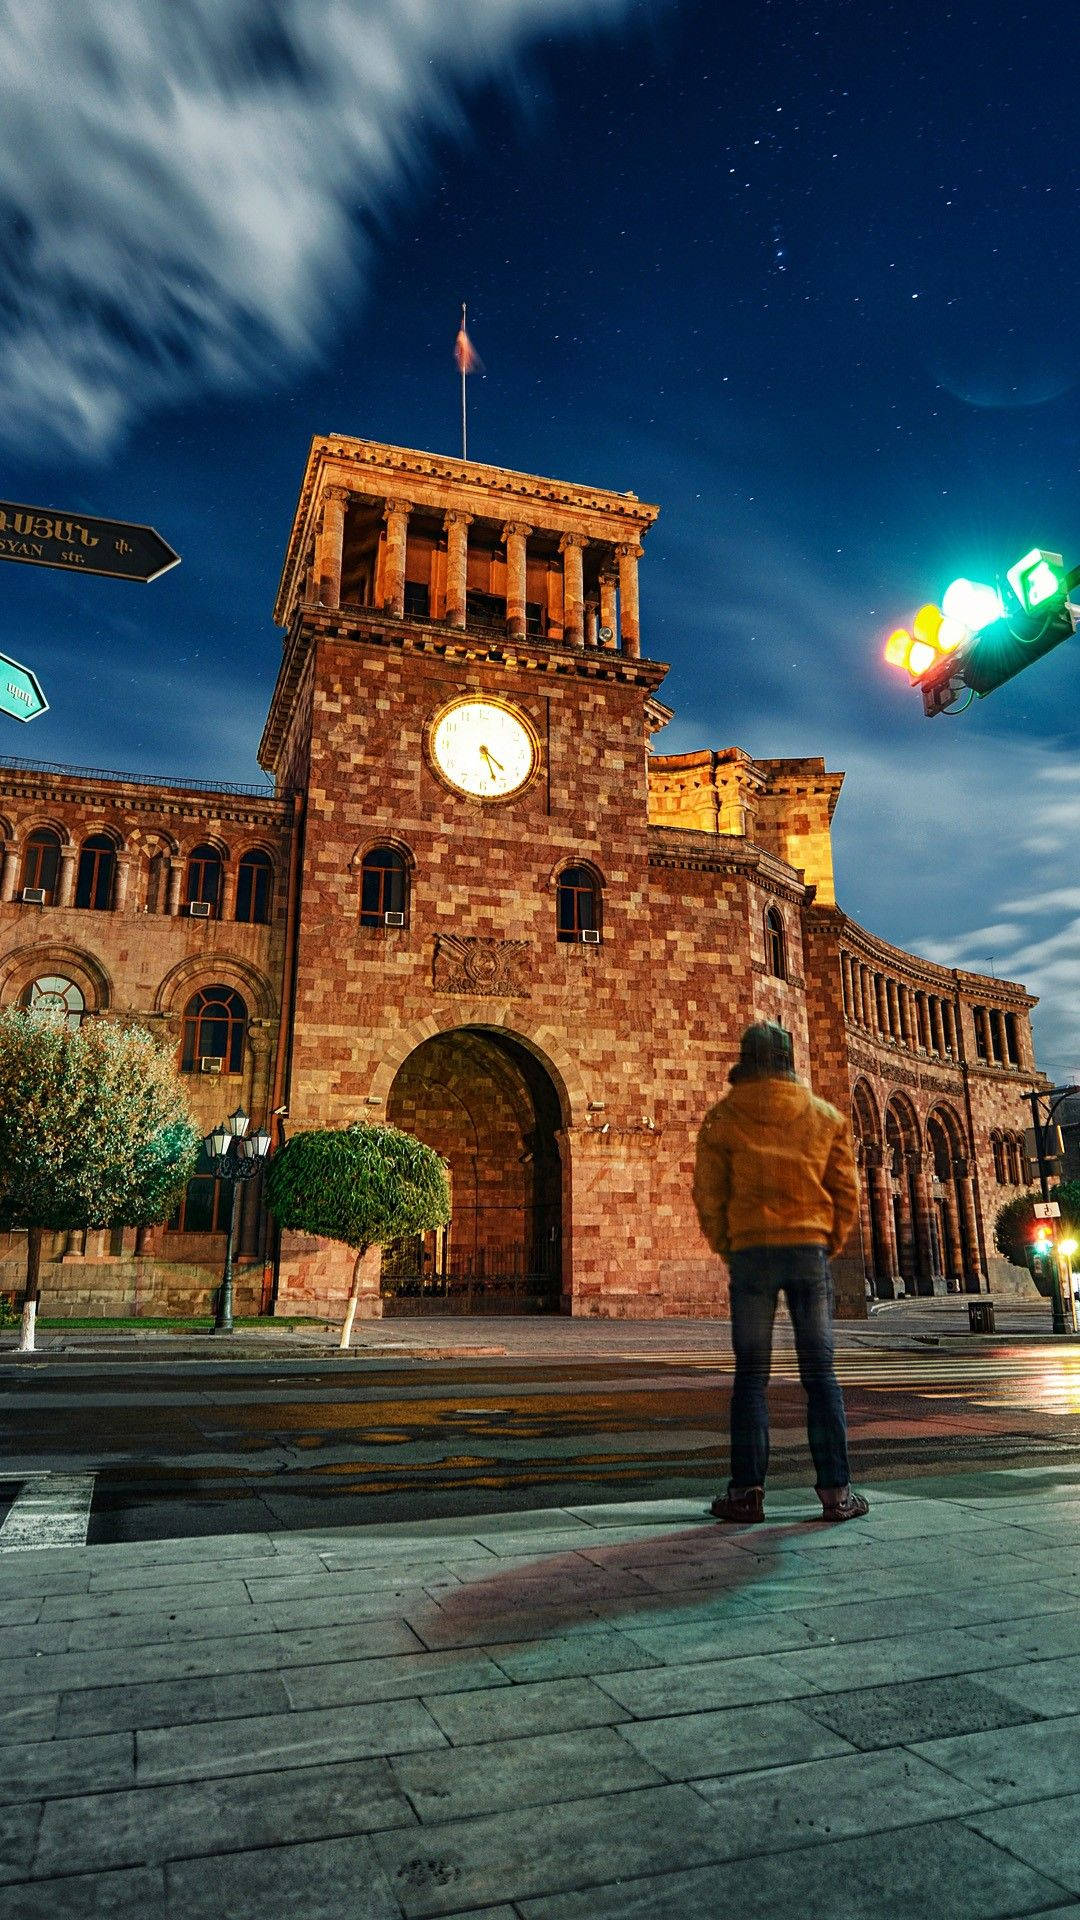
(211, 1063)
(199, 909)
(590, 936)
(393, 919)
(34, 896)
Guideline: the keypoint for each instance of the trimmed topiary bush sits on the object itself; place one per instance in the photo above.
(361, 1185)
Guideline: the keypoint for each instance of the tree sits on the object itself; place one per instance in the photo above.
(362, 1185)
(1015, 1222)
(94, 1132)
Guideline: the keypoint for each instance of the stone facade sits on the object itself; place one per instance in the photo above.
(548, 982)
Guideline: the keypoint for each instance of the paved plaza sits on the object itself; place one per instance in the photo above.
(563, 1715)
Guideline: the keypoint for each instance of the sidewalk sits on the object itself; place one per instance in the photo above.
(604, 1713)
(892, 1324)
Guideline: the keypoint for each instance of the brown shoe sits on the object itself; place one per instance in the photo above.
(743, 1506)
(839, 1503)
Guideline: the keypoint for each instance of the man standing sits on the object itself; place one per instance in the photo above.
(776, 1194)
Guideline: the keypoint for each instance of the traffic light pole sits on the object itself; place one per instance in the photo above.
(1037, 1125)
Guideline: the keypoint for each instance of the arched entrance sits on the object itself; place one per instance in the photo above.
(485, 1102)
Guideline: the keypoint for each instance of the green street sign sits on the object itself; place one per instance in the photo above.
(41, 537)
(20, 691)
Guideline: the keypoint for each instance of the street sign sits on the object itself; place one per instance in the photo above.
(1047, 1210)
(20, 692)
(41, 537)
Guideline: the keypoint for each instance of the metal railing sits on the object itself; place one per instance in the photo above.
(186, 785)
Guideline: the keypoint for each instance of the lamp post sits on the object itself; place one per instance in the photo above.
(235, 1155)
(1041, 1128)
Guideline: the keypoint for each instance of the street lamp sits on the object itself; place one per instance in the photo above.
(1041, 1129)
(235, 1155)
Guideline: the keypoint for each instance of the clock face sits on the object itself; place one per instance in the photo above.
(483, 748)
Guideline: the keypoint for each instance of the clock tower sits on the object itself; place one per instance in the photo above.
(463, 708)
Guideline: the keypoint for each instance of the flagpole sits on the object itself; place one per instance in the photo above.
(464, 428)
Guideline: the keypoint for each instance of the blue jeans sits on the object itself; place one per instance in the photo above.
(757, 1275)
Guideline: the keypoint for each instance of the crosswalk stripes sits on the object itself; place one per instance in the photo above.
(49, 1510)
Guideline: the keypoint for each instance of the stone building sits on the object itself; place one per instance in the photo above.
(477, 904)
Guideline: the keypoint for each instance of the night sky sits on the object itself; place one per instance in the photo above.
(799, 273)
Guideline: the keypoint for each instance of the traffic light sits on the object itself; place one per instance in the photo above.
(981, 635)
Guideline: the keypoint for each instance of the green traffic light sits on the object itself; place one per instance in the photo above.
(1037, 578)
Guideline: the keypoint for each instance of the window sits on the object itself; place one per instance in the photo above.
(998, 1146)
(979, 1020)
(417, 600)
(97, 868)
(204, 878)
(577, 906)
(254, 888)
(215, 1022)
(55, 997)
(382, 885)
(203, 1203)
(1012, 1158)
(41, 862)
(1012, 1040)
(775, 955)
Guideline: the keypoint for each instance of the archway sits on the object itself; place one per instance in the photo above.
(485, 1102)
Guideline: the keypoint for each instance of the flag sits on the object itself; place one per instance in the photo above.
(468, 360)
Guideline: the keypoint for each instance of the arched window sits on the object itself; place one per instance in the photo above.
(97, 868)
(215, 1022)
(55, 997)
(577, 905)
(998, 1146)
(254, 887)
(1012, 1158)
(204, 879)
(41, 862)
(382, 885)
(775, 946)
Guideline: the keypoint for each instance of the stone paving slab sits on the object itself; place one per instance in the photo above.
(614, 1711)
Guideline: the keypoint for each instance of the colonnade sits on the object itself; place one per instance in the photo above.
(584, 623)
(891, 1010)
(920, 1232)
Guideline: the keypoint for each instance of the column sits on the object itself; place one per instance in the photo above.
(907, 1016)
(515, 536)
(173, 885)
(863, 996)
(866, 1225)
(882, 1003)
(608, 616)
(905, 1253)
(9, 873)
(570, 547)
(884, 1237)
(1000, 1051)
(845, 984)
(121, 881)
(65, 885)
(892, 1007)
(949, 1018)
(628, 596)
(328, 544)
(396, 514)
(924, 1243)
(954, 1252)
(457, 566)
(969, 1228)
(592, 622)
(937, 1031)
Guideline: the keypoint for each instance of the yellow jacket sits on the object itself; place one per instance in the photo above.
(775, 1168)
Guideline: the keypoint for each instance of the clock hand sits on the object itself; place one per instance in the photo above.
(491, 760)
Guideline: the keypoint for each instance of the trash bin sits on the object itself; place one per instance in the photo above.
(980, 1316)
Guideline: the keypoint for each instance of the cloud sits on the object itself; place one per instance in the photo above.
(186, 183)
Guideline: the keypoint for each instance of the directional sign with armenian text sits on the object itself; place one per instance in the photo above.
(44, 538)
(20, 693)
